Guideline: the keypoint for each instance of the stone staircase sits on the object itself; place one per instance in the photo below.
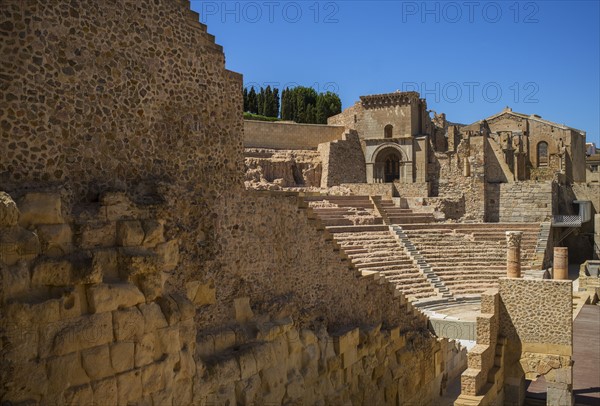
(468, 259)
(422, 265)
(542, 245)
(376, 250)
(396, 215)
(357, 225)
(344, 210)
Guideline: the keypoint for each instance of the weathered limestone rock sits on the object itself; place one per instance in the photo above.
(56, 239)
(169, 252)
(98, 234)
(144, 269)
(83, 332)
(108, 297)
(65, 371)
(128, 324)
(513, 254)
(122, 356)
(561, 263)
(96, 362)
(154, 319)
(15, 280)
(9, 213)
(40, 208)
(16, 244)
(129, 386)
(202, 293)
(153, 232)
(129, 233)
(243, 312)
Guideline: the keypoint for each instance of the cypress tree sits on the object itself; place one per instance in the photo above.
(252, 101)
(245, 99)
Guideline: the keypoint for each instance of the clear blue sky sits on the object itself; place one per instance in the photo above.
(469, 59)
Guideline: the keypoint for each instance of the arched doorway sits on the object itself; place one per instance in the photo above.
(388, 164)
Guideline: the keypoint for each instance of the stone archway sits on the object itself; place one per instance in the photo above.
(388, 165)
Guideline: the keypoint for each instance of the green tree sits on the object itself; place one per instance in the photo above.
(252, 101)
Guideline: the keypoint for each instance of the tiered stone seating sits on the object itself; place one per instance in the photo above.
(379, 251)
(344, 210)
(372, 247)
(397, 215)
(469, 258)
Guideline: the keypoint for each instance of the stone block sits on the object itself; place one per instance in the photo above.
(97, 235)
(96, 362)
(53, 272)
(84, 332)
(104, 261)
(243, 312)
(64, 372)
(205, 346)
(129, 387)
(168, 340)
(122, 356)
(129, 233)
(143, 268)
(146, 350)
(223, 340)
(15, 280)
(182, 392)
(202, 294)
(9, 213)
(152, 377)
(169, 307)
(347, 341)
(128, 324)
(108, 297)
(79, 395)
(153, 232)
(40, 208)
(186, 308)
(154, 318)
(164, 397)
(73, 303)
(169, 252)
(28, 380)
(17, 243)
(105, 391)
(56, 239)
(247, 364)
(187, 367)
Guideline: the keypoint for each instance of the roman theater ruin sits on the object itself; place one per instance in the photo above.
(158, 249)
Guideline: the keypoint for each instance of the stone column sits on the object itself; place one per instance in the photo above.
(561, 263)
(513, 254)
(597, 235)
(466, 167)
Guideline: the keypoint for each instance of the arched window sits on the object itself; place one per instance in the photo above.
(542, 154)
(388, 131)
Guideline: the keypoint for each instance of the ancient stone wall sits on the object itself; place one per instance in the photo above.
(526, 334)
(462, 176)
(386, 190)
(85, 317)
(288, 135)
(115, 94)
(529, 201)
(287, 365)
(272, 169)
(343, 161)
(115, 287)
(276, 253)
